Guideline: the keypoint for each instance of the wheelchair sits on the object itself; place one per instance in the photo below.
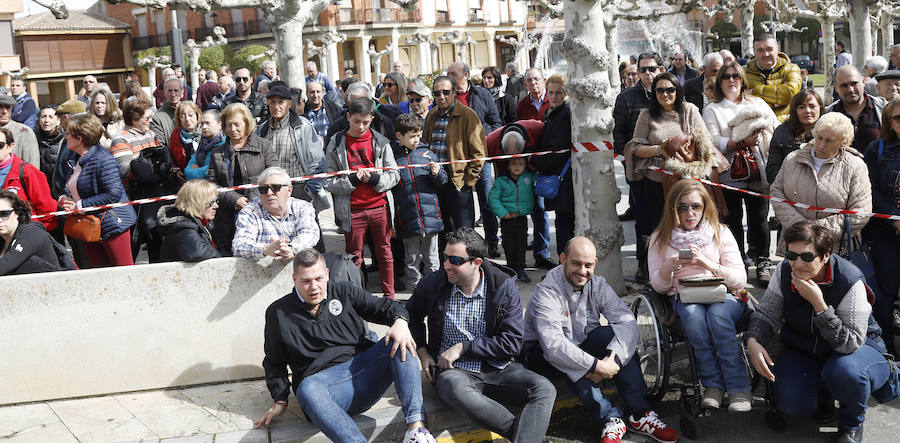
(662, 344)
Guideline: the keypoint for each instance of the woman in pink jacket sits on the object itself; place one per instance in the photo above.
(690, 221)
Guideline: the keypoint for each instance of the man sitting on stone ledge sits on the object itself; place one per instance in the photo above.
(275, 224)
(319, 331)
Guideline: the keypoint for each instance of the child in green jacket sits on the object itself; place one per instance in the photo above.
(512, 199)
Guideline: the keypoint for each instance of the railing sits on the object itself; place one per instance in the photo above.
(350, 16)
(442, 17)
(477, 16)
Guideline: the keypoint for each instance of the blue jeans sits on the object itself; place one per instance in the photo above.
(541, 229)
(483, 188)
(331, 396)
(711, 332)
(850, 378)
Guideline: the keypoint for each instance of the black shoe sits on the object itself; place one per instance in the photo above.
(370, 268)
(850, 436)
(523, 276)
(479, 222)
(748, 262)
(544, 263)
(628, 215)
(399, 285)
(493, 252)
(642, 275)
(825, 412)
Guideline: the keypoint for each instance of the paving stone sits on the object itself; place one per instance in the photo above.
(34, 422)
(205, 438)
(251, 436)
(100, 419)
(236, 403)
(172, 414)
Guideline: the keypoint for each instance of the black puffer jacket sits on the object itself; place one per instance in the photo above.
(256, 102)
(482, 102)
(184, 237)
(782, 144)
(557, 135)
(382, 123)
(49, 146)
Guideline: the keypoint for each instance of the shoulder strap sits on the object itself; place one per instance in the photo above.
(565, 168)
(880, 152)
(22, 179)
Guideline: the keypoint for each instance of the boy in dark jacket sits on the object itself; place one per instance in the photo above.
(415, 196)
(512, 198)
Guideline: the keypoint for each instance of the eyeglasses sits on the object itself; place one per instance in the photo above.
(695, 207)
(670, 90)
(242, 79)
(388, 85)
(213, 202)
(416, 100)
(264, 189)
(646, 69)
(6, 213)
(806, 256)
(456, 260)
(732, 76)
(440, 92)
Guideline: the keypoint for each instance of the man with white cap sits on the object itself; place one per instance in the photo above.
(419, 100)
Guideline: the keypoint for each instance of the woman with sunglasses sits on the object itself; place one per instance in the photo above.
(241, 159)
(734, 112)
(25, 180)
(25, 247)
(668, 118)
(394, 92)
(882, 159)
(185, 225)
(831, 348)
(690, 222)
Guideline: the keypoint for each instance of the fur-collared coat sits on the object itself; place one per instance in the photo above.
(727, 120)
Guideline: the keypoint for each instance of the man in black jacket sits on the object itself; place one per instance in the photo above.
(319, 331)
(693, 88)
(382, 123)
(243, 93)
(475, 329)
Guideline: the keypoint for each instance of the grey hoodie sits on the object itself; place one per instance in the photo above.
(557, 318)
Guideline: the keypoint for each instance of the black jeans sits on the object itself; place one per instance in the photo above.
(471, 392)
(457, 207)
(648, 208)
(758, 237)
(565, 229)
(885, 246)
(515, 237)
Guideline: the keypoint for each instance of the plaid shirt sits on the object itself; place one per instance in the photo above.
(464, 321)
(256, 228)
(439, 135)
(280, 136)
(319, 120)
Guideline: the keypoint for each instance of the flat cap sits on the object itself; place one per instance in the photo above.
(891, 73)
(70, 107)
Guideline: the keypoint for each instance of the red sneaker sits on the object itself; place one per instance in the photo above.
(613, 431)
(650, 425)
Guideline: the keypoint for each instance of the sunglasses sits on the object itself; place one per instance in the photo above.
(693, 207)
(439, 92)
(670, 90)
(264, 189)
(6, 213)
(213, 202)
(456, 260)
(242, 79)
(732, 76)
(416, 100)
(388, 85)
(3, 145)
(645, 69)
(806, 256)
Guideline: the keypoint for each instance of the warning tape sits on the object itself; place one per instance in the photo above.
(576, 147)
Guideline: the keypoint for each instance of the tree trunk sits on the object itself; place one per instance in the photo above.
(828, 57)
(612, 41)
(887, 34)
(593, 173)
(860, 33)
(747, 29)
(195, 68)
(288, 39)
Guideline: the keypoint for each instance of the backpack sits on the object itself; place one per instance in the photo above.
(342, 268)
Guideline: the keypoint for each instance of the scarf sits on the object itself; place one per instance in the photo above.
(495, 92)
(702, 236)
(206, 145)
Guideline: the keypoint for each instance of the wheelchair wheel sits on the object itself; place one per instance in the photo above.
(652, 346)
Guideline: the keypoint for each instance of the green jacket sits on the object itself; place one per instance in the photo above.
(512, 196)
(778, 88)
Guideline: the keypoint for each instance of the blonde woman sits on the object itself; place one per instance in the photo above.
(103, 106)
(184, 225)
(690, 221)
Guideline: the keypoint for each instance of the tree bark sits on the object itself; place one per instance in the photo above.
(747, 29)
(828, 56)
(887, 33)
(288, 39)
(592, 98)
(861, 32)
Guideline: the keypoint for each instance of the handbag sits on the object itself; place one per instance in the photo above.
(83, 227)
(860, 256)
(744, 165)
(702, 290)
(547, 186)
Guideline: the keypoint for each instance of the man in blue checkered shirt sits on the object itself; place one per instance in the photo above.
(475, 329)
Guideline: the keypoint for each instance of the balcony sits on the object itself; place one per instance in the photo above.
(476, 16)
(349, 16)
(442, 17)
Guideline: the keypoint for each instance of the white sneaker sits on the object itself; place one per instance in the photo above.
(613, 431)
(420, 435)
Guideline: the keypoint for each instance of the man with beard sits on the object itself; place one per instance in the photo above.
(243, 93)
(864, 110)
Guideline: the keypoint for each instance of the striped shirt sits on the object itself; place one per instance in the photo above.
(256, 228)
(319, 120)
(439, 135)
(128, 144)
(464, 321)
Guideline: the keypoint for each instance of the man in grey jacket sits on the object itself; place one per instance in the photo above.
(163, 121)
(26, 142)
(564, 332)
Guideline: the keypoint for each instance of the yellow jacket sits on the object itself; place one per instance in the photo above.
(778, 88)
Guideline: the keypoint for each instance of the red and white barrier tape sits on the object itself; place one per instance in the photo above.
(576, 147)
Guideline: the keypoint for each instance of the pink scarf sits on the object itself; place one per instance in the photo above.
(702, 236)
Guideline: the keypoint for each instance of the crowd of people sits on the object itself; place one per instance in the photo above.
(754, 124)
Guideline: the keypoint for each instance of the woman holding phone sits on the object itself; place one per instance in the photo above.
(690, 242)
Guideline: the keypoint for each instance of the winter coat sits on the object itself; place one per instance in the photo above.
(689, 73)
(482, 102)
(382, 123)
(308, 146)
(341, 186)
(783, 143)
(867, 125)
(30, 251)
(629, 104)
(778, 88)
(727, 121)
(693, 91)
(557, 135)
(205, 94)
(181, 153)
(525, 110)
(655, 131)
(26, 143)
(465, 140)
(841, 183)
(509, 195)
(504, 325)
(35, 189)
(185, 238)
(50, 147)
(531, 131)
(162, 123)
(100, 184)
(883, 176)
(515, 87)
(418, 211)
(256, 155)
(25, 110)
(256, 103)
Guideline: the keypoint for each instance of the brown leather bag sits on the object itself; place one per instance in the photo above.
(681, 146)
(83, 227)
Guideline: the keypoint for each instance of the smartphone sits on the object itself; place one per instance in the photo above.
(685, 254)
